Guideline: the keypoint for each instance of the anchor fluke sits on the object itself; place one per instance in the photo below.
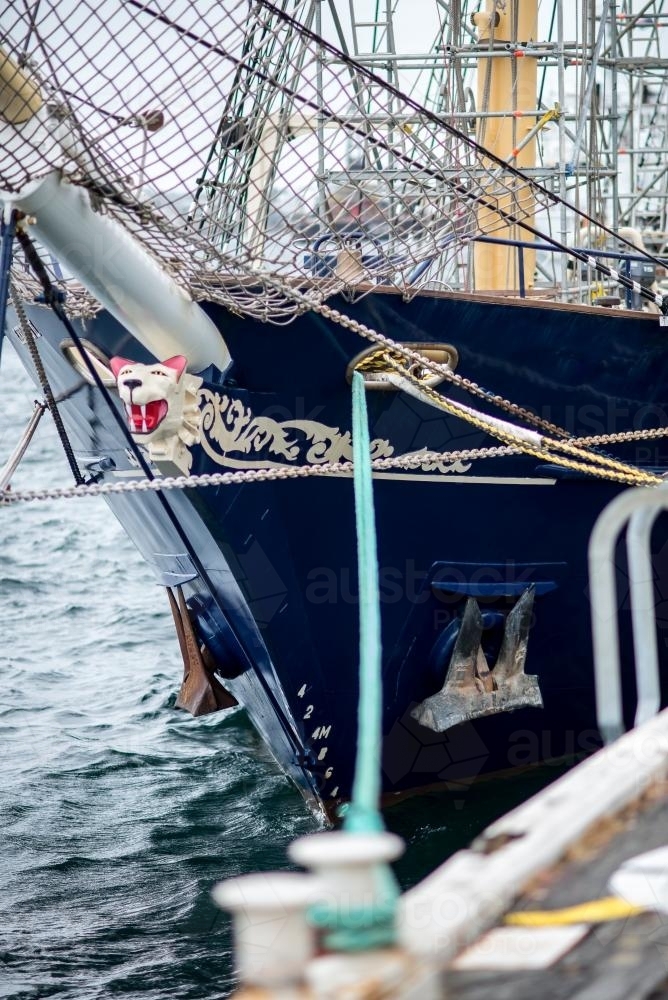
(201, 692)
(509, 669)
(471, 690)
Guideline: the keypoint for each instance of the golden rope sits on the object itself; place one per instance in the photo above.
(583, 460)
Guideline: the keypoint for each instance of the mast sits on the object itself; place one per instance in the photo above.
(507, 79)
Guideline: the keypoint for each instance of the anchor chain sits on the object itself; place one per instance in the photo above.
(618, 471)
(436, 368)
(406, 462)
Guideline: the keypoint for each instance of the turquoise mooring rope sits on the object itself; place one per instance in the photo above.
(363, 814)
(373, 925)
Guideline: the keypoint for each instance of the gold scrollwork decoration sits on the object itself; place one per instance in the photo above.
(234, 437)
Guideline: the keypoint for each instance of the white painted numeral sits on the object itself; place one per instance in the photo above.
(323, 753)
(309, 712)
(329, 772)
(302, 691)
(334, 792)
(321, 732)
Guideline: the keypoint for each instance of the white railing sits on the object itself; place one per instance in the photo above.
(636, 510)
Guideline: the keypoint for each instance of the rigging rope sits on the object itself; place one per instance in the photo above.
(260, 67)
(582, 462)
(422, 361)
(414, 461)
(589, 462)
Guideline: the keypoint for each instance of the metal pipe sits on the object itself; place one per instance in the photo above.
(12, 463)
(614, 123)
(644, 192)
(603, 591)
(561, 85)
(631, 23)
(549, 248)
(472, 53)
(641, 578)
(591, 80)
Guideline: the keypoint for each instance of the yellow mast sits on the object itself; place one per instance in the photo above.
(19, 94)
(506, 84)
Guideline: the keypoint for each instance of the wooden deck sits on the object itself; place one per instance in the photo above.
(615, 960)
(493, 918)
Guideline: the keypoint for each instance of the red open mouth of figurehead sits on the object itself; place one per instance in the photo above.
(145, 418)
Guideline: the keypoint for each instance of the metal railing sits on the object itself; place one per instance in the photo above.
(636, 510)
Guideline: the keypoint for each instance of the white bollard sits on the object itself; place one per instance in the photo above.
(353, 877)
(272, 938)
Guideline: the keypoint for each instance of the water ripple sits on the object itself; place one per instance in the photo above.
(119, 812)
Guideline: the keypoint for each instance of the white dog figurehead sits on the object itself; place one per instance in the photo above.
(161, 405)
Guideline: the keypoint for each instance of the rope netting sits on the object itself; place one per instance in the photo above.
(234, 142)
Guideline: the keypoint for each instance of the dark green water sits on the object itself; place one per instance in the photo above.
(118, 812)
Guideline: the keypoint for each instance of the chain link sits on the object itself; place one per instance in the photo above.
(415, 460)
(443, 370)
(412, 461)
(622, 436)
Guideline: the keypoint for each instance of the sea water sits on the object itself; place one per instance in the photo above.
(119, 812)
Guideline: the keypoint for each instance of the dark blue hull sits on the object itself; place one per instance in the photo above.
(269, 569)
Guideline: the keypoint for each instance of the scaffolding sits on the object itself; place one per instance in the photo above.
(599, 116)
(406, 144)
